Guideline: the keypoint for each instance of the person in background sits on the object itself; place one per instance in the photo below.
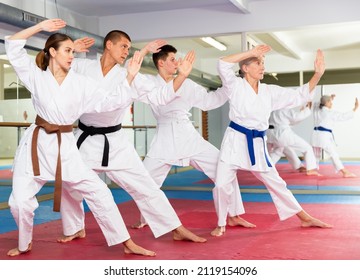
(285, 138)
(322, 138)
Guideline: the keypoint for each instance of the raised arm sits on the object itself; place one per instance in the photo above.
(84, 44)
(184, 69)
(134, 66)
(152, 47)
(49, 25)
(258, 51)
(319, 67)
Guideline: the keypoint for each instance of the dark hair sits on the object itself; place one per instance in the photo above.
(54, 41)
(246, 61)
(115, 36)
(163, 54)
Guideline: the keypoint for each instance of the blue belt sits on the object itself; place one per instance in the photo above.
(250, 135)
(322, 129)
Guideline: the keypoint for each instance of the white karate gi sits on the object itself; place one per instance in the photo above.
(62, 105)
(285, 137)
(125, 167)
(327, 118)
(276, 152)
(252, 111)
(177, 142)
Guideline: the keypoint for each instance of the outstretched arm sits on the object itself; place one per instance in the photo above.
(319, 66)
(49, 25)
(184, 69)
(152, 47)
(258, 51)
(83, 44)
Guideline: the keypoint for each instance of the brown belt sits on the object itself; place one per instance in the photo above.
(49, 129)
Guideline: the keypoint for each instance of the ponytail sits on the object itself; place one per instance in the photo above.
(42, 59)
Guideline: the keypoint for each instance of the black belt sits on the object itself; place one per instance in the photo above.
(90, 131)
(271, 126)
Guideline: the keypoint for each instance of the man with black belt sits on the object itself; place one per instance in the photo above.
(106, 148)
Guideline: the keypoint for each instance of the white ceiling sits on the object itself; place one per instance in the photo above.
(294, 29)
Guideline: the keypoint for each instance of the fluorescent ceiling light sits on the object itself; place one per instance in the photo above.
(212, 42)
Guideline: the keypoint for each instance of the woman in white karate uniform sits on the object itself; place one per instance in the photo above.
(47, 150)
(285, 137)
(124, 166)
(176, 141)
(322, 138)
(244, 143)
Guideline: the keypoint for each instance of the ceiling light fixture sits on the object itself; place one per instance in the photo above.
(216, 44)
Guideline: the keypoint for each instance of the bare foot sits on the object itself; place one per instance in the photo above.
(308, 221)
(238, 221)
(15, 252)
(131, 248)
(139, 224)
(182, 233)
(313, 172)
(348, 174)
(301, 169)
(67, 238)
(218, 231)
(315, 223)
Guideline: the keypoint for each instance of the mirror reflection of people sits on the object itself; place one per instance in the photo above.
(285, 139)
(323, 138)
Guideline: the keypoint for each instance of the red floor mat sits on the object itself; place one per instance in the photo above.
(294, 178)
(270, 240)
(5, 174)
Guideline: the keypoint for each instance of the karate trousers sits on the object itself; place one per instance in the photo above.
(23, 203)
(206, 162)
(138, 183)
(285, 202)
